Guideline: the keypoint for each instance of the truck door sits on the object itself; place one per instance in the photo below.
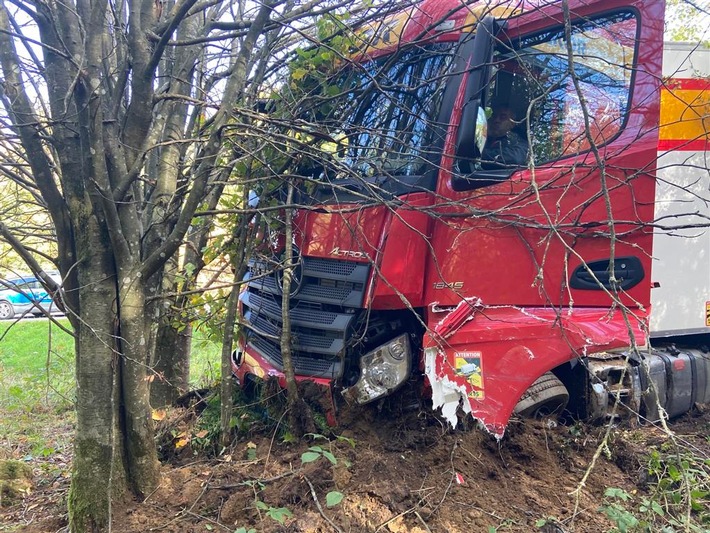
(519, 244)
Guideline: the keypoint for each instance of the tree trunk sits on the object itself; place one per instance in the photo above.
(99, 459)
(171, 363)
(299, 414)
(143, 466)
(226, 385)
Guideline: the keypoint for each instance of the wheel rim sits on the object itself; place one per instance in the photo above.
(5, 310)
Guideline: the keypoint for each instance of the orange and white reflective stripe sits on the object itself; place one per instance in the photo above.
(685, 114)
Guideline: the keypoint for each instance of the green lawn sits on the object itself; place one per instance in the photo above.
(37, 382)
(36, 366)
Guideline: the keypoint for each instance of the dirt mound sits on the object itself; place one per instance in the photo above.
(405, 472)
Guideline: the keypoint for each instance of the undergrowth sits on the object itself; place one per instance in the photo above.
(676, 496)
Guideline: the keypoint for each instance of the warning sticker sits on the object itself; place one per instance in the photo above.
(707, 314)
(468, 365)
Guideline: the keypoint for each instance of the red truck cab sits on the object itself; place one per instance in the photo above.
(490, 278)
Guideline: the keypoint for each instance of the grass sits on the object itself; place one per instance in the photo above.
(36, 367)
(37, 385)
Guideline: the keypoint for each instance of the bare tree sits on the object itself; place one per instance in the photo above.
(121, 112)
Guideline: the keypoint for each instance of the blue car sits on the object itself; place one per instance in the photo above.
(24, 295)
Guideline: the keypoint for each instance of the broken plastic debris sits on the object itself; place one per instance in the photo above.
(445, 393)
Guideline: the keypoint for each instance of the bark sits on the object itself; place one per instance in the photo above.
(299, 414)
(241, 251)
(226, 383)
(118, 219)
(169, 344)
(171, 362)
(99, 460)
(143, 466)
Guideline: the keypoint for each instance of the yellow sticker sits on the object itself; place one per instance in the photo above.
(468, 365)
(707, 314)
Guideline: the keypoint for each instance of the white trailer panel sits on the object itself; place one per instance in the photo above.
(680, 298)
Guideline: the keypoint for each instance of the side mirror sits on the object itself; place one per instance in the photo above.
(467, 162)
(481, 134)
(468, 136)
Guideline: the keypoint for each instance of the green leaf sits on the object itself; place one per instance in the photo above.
(695, 494)
(350, 441)
(280, 514)
(657, 508)
(674, 473)
(333, 498)
(330, 457)
(208, 527)
(614, 492)
(309, 457)
(695, 506)
(299, 73)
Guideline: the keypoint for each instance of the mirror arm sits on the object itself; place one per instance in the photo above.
(474, 95)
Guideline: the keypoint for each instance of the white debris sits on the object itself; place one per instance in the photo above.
(445, 393)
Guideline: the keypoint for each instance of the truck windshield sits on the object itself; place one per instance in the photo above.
(390, 127)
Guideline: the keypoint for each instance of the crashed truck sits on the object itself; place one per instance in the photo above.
(578, 281)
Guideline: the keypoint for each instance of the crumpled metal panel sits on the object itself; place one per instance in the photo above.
(482, 359)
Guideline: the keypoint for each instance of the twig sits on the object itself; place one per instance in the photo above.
(422, 521)
(273, 436)
(202, 517)
(395, 517)
(453, 476)
(320, 509)
(183, 512)
(249, 482)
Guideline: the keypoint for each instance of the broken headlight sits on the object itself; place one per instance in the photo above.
(382, 371)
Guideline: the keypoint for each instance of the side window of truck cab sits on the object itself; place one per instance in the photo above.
(566, 107)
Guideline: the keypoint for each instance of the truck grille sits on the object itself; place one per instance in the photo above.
(323, 313)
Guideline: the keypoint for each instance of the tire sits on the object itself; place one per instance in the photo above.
(6, 310)
(547, 396)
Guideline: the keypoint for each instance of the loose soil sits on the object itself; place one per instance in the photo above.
(398, 471)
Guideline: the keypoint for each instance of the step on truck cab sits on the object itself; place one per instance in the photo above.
(574, 276)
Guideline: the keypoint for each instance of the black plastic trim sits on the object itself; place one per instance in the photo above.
(628, 272)
(481, 178)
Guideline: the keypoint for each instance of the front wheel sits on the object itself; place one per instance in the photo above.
(546, 396)
(6, 310)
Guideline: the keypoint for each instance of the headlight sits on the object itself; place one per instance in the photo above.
(237, 357)
(381, 371)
